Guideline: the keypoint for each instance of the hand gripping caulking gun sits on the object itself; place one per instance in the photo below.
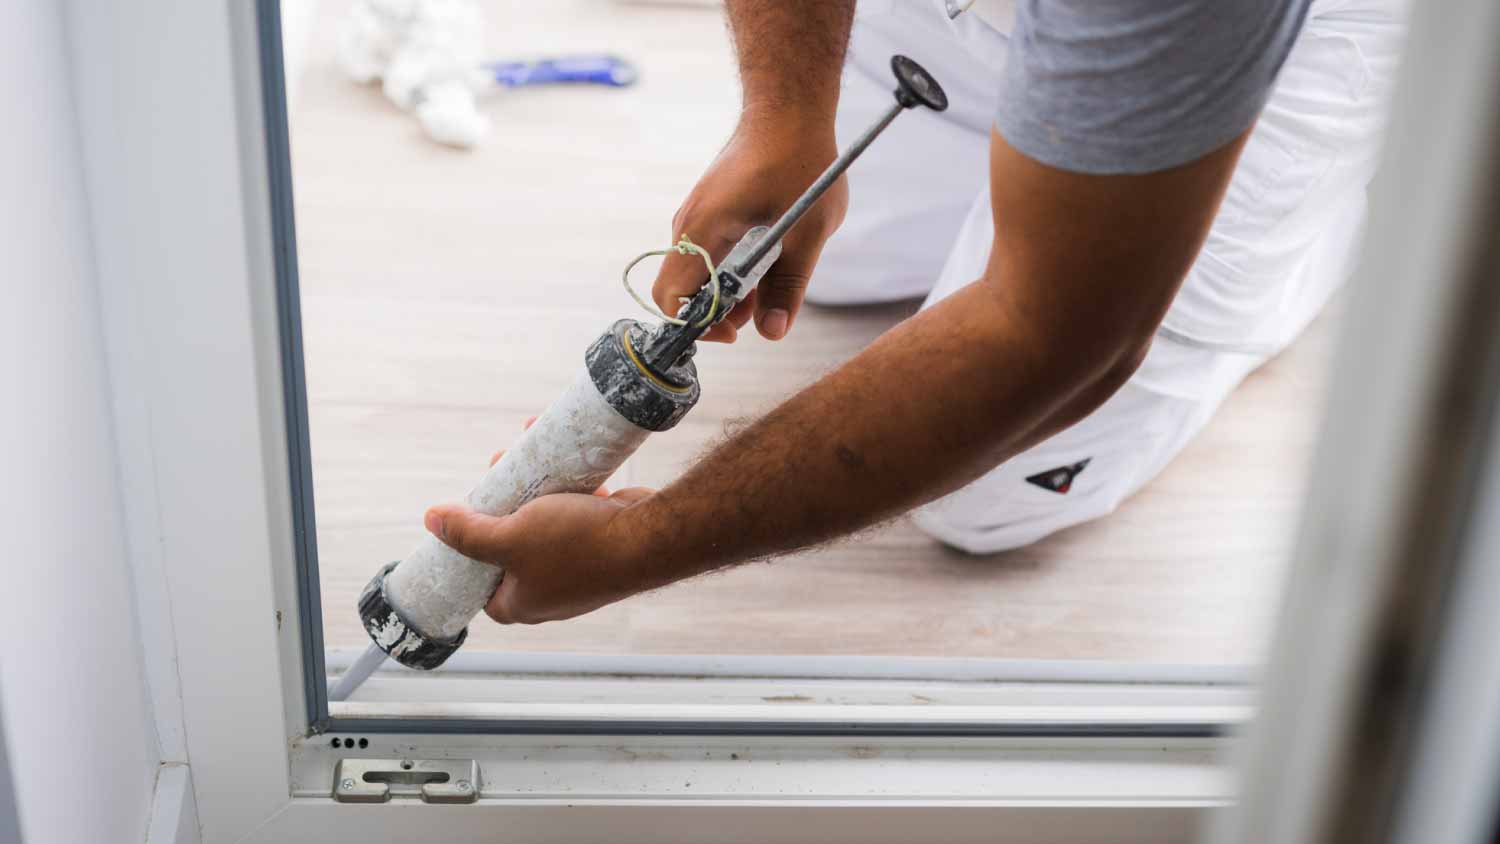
(636, 380)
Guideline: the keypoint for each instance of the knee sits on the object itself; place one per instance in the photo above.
(971, 533)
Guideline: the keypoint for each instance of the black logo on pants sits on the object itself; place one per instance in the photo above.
(1059, 480)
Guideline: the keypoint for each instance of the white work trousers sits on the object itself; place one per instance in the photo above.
(920, 224)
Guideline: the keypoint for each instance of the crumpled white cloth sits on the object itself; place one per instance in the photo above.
(426, 54)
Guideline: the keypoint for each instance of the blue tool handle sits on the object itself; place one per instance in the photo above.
(588, 70)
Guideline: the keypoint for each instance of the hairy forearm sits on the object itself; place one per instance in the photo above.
(791, 54)
(930, 406)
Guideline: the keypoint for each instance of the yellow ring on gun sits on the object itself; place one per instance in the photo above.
(646, 370)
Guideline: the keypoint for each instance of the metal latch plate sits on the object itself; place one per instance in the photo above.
(379, 780)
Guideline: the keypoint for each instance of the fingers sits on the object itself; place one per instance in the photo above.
(475, 535)
(781, 298)
(779, 294)
(501, 606)
(740, 315)
(682, 275)
(724, 332)
(728, 330)
(557, 552)
(781, 291)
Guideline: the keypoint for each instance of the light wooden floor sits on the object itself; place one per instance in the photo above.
(441, 308)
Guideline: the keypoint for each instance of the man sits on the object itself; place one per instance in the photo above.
(1129, 206)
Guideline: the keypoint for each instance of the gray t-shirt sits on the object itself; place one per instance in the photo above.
(1133, 86)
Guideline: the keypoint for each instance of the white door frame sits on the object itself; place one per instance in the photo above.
(174, 169)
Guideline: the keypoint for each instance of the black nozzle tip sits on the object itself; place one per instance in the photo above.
(915, 86)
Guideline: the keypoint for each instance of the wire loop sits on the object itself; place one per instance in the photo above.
(683, 246)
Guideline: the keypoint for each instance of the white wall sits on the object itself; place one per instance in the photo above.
(77, 721)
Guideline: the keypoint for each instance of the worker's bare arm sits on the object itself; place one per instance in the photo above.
(791, 56)
(1082, 271)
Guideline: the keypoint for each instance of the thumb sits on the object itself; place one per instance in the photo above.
(472, 534)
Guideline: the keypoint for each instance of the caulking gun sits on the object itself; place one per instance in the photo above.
(636, 380)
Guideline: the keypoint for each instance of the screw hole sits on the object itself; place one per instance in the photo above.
(364, 743)
(406, 765)
(336, 744)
